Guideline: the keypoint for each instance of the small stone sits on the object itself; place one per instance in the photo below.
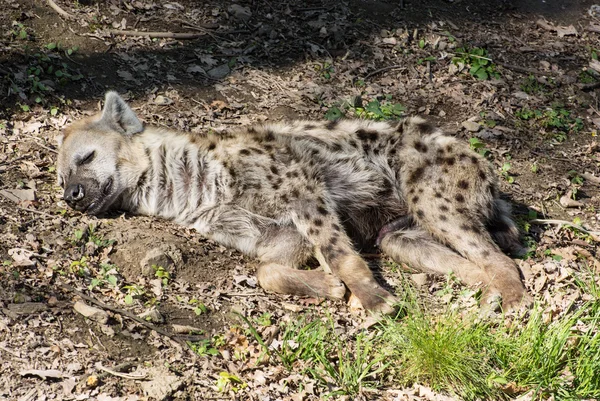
(389, 41)
(91, 312)
(162, 100)
(471, 126)
(152, 315)
(154, 257)
(219, 72)
(240, 13)
(420, 279)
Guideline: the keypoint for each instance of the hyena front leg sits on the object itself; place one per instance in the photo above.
(280, 248)
(321, 226)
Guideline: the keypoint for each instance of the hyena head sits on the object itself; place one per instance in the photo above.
(90, 154)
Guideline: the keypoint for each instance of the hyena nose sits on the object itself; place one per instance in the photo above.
(74, 193)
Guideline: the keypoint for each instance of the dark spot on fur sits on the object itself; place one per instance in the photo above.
(462, 184)
(425, 128)
(212, 146)
(332, 124)
(482, 175)
(310, 126)
(421, 147)
(474, 159)
(244, 152)
(333, 240)
(275, 185)
(285, 198)
(464, 227)
(450, 161)
(336, 147)
(416, 175)
(445, 170)
(444, 231)
(335, 227)
(393, 151)
(322, 210)
(274, 170)
(438, 194)
(295, 193)
(444, 208)
(365, 135)
(443, 217)
(269, 136)
(459, 198)
(461, 210)
(411, 191)
(420, 190)
(449, 148)
(257, 151)
(485, 254)
(420, 213)
(318, 222)
(415, 199)
(473, 244)
(462, 156)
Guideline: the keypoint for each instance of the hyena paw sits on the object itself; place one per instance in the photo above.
(377, 301)
(507, 300)
(335, 287)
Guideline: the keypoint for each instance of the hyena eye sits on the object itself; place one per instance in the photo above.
(88, 158)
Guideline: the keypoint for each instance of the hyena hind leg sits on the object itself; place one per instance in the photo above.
(420, 250)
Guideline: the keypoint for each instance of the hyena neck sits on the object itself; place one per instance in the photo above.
(175, 178)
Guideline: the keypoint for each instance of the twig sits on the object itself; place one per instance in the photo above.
(523, 70)
(594, 234)
(123, 375)
(59, 10)
(389, 67)
(180, 339)
(119, 368)
(169, 35)
(53, 216)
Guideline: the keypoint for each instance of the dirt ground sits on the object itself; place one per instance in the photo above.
(536, 117)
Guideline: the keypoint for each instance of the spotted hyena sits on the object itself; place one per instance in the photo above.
(287, 192)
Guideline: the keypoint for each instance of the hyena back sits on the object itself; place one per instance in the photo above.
(287, 192)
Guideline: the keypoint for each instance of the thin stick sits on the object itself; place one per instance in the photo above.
(389, 67)
(123, 375)
(180, 339)
(594, 234)
(524, 70)
(170, 35)
(59, 10)
(52, 216)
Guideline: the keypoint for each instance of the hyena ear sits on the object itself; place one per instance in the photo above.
(117, 115)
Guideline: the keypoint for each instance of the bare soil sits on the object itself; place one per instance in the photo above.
(256, 61)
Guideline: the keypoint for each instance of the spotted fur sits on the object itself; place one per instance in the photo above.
(285, 192)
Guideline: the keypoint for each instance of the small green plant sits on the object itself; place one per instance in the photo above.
(326, 70)
(556, 119)
(107, 275)
(203, 348)
(19, 31)
(477, 60)
(80, 267)
(535, 168)
(478, 146)
(227, 381)
(199, 307)
(532, 86)
(506, 173)
(161, 273)
(264, 320)
(133, 291)
(380, 110)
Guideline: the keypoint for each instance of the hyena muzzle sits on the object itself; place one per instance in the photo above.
(285, 193)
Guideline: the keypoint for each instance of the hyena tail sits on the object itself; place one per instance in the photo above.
(503, 229)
